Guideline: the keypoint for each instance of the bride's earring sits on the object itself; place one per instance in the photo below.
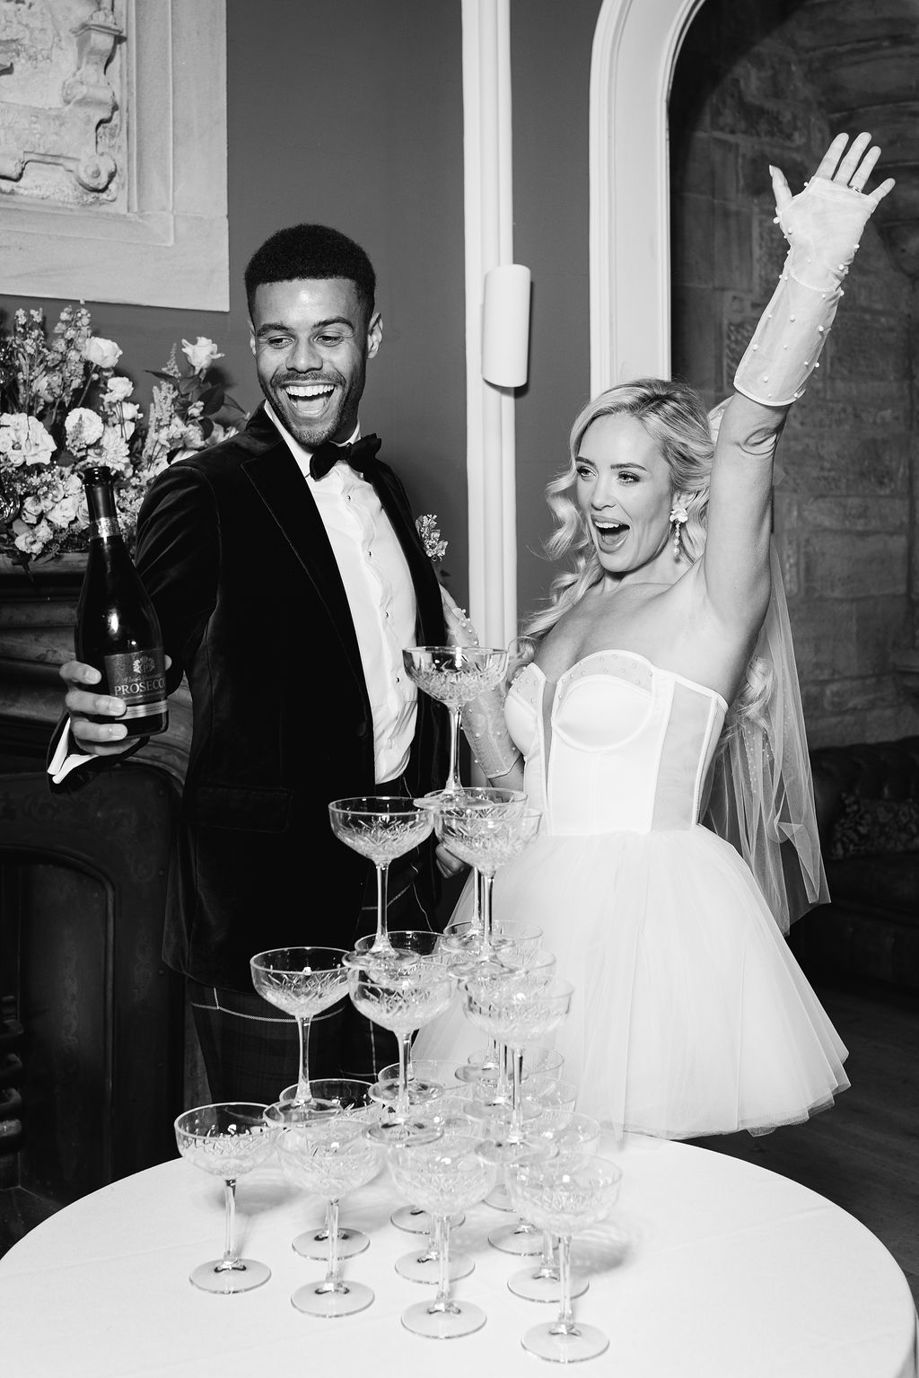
(678, 516)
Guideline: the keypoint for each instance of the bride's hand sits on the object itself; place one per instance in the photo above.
(460, 631)
(823, 223)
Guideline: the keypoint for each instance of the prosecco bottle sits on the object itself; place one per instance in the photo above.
(117, 629)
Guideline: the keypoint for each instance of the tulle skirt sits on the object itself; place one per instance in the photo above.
(690, 1015)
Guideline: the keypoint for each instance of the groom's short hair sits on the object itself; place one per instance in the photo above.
(311, 251)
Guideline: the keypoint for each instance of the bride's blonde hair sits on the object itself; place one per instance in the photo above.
(674, 415)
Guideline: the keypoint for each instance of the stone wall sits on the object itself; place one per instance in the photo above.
(845, 516)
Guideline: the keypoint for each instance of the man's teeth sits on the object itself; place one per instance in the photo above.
(306, 390)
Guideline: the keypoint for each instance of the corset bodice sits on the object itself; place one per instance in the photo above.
(623, 745)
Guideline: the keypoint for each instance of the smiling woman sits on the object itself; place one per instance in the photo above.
(658, 719)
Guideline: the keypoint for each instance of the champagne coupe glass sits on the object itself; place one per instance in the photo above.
(455, 675)
(580, 1135)
(340, 1095)
(227, 1139)
(301, 981)
(443, 1177)
(402, 996)
(547, 1110)
(565, 1194)
(539, 966)
(516, 1008)
(410, 944)
(330, 1157)
(381, 827)
(422, 1262)
(486, 842)
(498, 800)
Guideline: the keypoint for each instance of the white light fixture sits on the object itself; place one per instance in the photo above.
(506, 325)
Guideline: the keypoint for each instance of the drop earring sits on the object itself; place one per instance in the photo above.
(678, 516)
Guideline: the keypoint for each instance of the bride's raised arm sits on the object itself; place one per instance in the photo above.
(823, 224)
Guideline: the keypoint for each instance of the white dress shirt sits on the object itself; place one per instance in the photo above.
(380, 593)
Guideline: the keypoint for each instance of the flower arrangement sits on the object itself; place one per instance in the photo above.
(63, 407)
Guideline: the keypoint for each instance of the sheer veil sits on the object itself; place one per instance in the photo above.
(762, 795)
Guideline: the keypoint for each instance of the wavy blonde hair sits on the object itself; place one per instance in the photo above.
(675, 417)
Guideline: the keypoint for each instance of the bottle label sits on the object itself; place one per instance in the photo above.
(104, 526)
(140, 679)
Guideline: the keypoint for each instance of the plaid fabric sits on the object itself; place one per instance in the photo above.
(251, 1048)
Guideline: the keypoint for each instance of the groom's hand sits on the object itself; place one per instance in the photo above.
(447, 863)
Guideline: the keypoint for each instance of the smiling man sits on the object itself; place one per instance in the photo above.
(288, 575)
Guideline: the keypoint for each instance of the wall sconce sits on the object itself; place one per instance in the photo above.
(506, 325)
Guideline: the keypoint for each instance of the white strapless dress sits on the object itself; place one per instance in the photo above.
(690, 1014)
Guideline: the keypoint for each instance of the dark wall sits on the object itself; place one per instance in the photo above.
(350, 114)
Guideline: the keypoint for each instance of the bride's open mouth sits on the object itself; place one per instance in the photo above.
(610, 535)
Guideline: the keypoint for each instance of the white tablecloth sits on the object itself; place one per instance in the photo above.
(710, 1267)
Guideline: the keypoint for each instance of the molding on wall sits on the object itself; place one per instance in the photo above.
(636, 43)
(167, 245)
(490, 439)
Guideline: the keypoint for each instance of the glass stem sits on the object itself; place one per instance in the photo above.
(486, 886)
(453, 780)
(441, 1235)
(229, 1259)
(402, 1106)
(547, 1267)
(516, 1133)
(564, 1325)
(476, 920)
(304, 1093)
(331, 1276)
(382, 935)
(429, 1253)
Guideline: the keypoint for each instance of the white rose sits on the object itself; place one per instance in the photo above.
(63, 512)
(24, 440)
(201, 354)
(119, 389)
(114, 451)
(32, 508)
(82, 428)
(102, 353)
(31, 539)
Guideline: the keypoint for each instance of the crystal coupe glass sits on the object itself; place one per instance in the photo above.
(330, 1157)
(301, 981)
(402, 995)
(227, 1139)
(455, 675)
(486, 841)
(337, 1096)
(565, 1194)
(381, 827)
(580, 1135)
(443, 1177)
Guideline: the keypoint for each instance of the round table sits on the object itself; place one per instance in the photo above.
(709, 1266)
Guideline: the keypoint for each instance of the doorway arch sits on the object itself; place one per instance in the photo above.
(635, 48)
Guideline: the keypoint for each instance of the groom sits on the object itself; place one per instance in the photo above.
(287, 575)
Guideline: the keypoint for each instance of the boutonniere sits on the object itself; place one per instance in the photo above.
(434, 547)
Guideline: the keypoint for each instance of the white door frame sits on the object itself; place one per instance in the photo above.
(636, 44)
(635, 48)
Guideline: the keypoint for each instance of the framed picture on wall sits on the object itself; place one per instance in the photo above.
(113, 151)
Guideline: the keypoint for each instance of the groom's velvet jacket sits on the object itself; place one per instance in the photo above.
(253, 610)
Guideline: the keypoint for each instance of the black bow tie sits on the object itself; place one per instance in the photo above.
(361, 456)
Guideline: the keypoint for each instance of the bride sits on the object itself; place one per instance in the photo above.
(656, 726)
